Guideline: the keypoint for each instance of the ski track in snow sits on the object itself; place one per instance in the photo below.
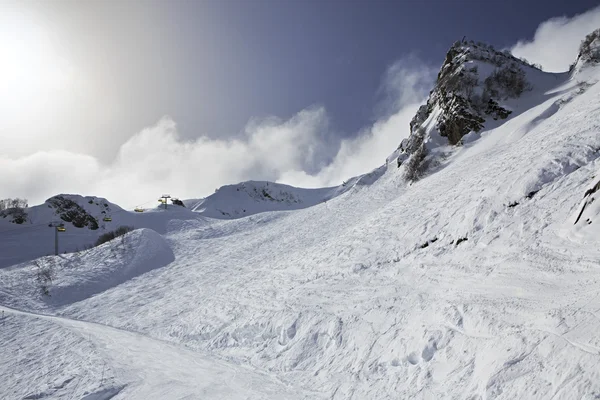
(154, 369)
(339, 300)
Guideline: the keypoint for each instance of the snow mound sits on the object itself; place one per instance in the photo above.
(77, 276)
(253, 197)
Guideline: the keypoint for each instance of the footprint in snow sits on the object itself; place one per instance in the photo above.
(413, 358)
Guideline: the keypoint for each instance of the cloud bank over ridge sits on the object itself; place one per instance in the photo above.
(301, 150)
(556, 41)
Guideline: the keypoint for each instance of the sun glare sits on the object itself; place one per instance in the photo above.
(30, 70)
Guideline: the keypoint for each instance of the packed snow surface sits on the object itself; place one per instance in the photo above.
(475, 282)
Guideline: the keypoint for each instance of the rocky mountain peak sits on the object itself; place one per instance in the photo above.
(471, 85)
(475, 85)
(589, 51)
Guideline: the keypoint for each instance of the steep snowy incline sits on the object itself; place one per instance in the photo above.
(73, 277)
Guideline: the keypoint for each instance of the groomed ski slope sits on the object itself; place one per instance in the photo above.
(343, 300)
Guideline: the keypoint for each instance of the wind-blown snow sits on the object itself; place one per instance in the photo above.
(474, 282)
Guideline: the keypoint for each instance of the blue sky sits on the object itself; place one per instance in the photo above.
(214, 64)
(185, 96)
(275, 57)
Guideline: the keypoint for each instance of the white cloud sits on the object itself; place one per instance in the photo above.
(300, 151)
(556, 41)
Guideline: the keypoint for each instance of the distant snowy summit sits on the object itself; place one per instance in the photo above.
(252, 197)
(68, 209)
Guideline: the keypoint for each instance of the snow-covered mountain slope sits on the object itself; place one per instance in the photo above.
(32, 235)
(83, 218)
(479, 280)
(252, 197)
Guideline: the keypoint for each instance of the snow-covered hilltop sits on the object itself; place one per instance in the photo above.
(84, 218)
(466, 267)
(68, 209)
(252, 197)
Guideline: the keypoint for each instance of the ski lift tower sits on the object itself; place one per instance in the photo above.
(164, 198)
(58, 227)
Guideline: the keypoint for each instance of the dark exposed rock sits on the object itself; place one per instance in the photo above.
(593, 189)
(177, 202)
(267, 195)
(465, 97)
(426, 244)
(460, 240)
(15, 215)
(589, 50)
(531, 194)
(70, 211)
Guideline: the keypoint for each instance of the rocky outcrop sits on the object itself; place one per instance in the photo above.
(69, 211)
(15, 215)
(471, 85)
(589, 51)
(177, 202)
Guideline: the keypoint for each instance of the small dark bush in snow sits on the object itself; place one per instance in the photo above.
(44, 273)
(108, 236)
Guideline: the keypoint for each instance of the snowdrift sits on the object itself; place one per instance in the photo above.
(77, 276)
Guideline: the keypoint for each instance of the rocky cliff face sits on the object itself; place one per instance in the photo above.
(589, 51)
(472, 84)
(69, 211)
(476, 85)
